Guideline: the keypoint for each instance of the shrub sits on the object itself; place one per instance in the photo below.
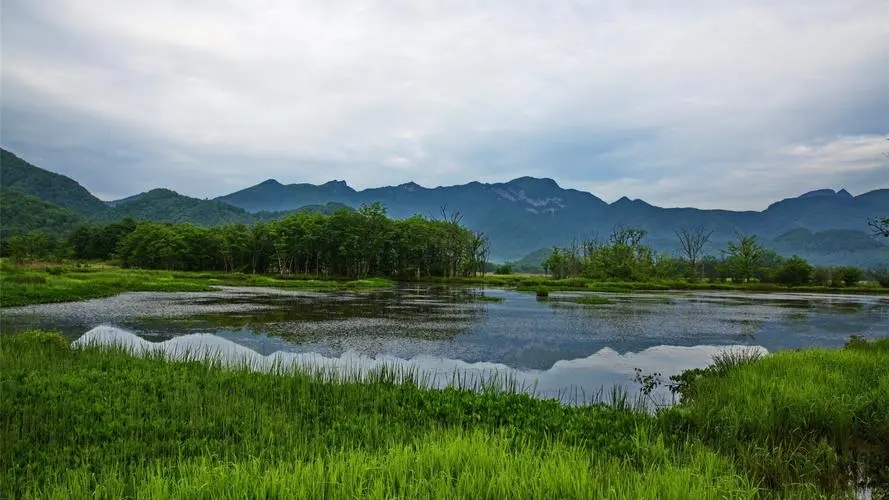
(822, 276)
(504, 269)
(795, 271)
(881, 275)
(848, 275)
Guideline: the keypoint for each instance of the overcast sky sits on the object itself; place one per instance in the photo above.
(707, 103)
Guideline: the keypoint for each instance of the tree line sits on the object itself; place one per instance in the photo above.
(623, 256)
(348, 243)
(366, 242)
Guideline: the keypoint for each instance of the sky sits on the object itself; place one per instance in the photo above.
(705, 103)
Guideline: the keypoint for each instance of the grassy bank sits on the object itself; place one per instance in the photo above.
(813, 415)
(534, 283)
(77, 421)
(43, 283)
(101, 423)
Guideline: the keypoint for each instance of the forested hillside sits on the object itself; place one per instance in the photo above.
(19, 175)
(851, 247)
(21, 213)
(164, 205)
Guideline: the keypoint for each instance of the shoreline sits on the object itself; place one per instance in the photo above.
(21, 286)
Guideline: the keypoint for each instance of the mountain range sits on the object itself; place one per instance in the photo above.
(520, 217)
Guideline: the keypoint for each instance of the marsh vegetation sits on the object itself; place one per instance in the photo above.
(101, 422)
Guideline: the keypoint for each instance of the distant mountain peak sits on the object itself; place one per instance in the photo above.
(161, 191)
(535, 182)
(625, 201)
(410, 186)
(826, 192)
(336, 184)
(270, 183)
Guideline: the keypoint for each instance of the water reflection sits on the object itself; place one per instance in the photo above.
(571, 380)
(454, 323)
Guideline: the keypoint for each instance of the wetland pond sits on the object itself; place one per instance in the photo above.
(552, 348)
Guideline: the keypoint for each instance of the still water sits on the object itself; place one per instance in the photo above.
(552, 348)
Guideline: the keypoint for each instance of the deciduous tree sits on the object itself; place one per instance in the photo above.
(743, 256)
(691, 245)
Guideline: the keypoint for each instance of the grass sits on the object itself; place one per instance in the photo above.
(99, 422)
(76, 421)
(487, 298)
(42, 283)
(817, 415)
(590, 300)
(533, 283)
(442, 465)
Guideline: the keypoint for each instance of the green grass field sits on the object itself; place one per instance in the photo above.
(810, 415)
(100, 423)
(43, 283)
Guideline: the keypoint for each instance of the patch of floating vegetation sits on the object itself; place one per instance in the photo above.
(591, 300)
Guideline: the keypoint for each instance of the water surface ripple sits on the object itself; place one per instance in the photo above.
(558, 344)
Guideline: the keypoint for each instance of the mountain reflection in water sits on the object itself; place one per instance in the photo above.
(571, 381)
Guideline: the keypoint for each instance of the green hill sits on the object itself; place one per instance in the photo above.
(163, 205)
(19, 175)
(533, 262)
(329, 208)
(58, 193)
(21, 213)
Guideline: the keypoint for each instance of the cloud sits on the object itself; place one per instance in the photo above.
(853, 163)
(692, 103)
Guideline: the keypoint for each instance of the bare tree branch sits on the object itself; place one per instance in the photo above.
(880, 227)
(691, 243)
